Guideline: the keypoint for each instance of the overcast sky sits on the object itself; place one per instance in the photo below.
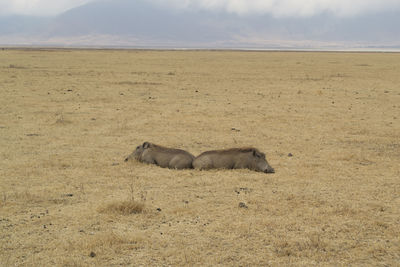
(37, 7)
(278, 8)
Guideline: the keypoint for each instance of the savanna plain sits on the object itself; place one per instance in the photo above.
(328, 122)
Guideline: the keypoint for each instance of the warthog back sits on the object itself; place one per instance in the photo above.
(162, 156)
(234, 158)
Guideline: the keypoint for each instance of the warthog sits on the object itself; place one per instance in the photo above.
(234, 158)
(162, 156)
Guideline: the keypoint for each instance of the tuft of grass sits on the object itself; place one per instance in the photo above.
(123, 207)
(110, 239)
(12, 66)
(102, 245)
(62, 121)
(3, 199)
(28, 197)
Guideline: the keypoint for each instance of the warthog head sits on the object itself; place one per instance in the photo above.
(260, 163)
(138, 151)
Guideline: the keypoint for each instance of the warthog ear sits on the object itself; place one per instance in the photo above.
(256, 154)
(146, 145)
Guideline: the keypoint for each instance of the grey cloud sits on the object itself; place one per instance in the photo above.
(276, 8)
(38, 7)
(287, 8)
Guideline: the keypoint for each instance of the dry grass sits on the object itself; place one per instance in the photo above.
(328, 122)
(123, 207)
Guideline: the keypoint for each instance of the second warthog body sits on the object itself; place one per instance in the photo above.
(234, 158)
(162, 156)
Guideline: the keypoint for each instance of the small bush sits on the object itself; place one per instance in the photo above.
(123, 207)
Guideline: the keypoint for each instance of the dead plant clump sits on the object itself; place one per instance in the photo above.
(101, 246)
(126, 207)
(111, 240)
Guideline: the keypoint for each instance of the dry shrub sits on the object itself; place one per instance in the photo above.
(301, 247)
(317, 242)
(282, 248)
(104, 245)
(123, 207)
(3, 199)
(12, 66)
(111, 239)
(62, 121)
(378, 251)
(37, 198)
(26, 197)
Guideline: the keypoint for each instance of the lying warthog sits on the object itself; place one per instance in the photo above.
(162, 156)
(234, 158)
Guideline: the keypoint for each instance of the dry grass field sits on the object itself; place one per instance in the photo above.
(329, 124)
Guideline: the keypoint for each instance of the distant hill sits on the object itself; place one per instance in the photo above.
(140, 23)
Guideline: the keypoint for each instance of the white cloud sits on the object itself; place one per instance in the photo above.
(38, 7)
(278, 8)
(283, 8)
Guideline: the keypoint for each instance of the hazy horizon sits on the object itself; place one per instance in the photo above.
(207, 24)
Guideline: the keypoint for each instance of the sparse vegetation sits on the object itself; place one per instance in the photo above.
(328, 123)
(13, 66)
(123, 207)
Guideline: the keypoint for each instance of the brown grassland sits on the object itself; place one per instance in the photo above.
(329, 124)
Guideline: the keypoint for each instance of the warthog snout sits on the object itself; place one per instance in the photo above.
(271, 170)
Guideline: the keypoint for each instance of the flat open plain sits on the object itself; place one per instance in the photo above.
(329, 124)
